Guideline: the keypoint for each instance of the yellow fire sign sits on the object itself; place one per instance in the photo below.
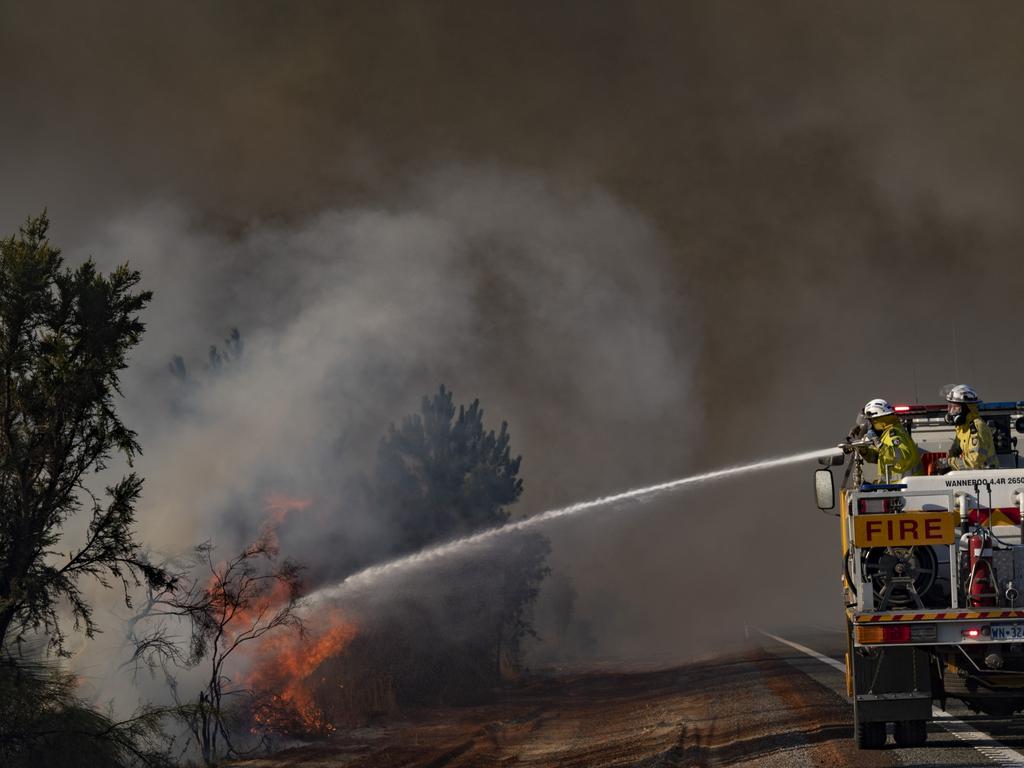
(905, 530)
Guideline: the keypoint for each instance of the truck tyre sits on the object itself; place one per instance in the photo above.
(910, 733)
(869, 735)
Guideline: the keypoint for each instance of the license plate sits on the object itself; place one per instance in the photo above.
(1008, 631)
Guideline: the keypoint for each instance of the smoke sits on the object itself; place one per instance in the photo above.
(656, 238)
(549, 306)
(487, 282)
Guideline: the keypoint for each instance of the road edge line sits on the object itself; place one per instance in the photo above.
(994, 750)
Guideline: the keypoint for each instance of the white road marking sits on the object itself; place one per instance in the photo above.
(809, 651)
(981, 741)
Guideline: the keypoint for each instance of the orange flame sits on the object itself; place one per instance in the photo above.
(284, 661)
(283, 669)
(278, 505)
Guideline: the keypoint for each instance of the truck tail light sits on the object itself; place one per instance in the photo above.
(900, 633)
(972, 633)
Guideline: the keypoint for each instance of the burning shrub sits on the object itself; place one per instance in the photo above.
(450, 639)
(238, 602)
(456, 629)
(283, 681)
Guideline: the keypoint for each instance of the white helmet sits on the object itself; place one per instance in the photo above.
(962, 393)
(877, 408)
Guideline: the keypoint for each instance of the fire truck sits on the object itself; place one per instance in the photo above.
(933, 580)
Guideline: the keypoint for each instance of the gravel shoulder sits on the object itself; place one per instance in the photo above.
(746, 709)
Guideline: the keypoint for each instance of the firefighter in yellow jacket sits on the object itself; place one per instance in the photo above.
(888, 444)
(973, 446)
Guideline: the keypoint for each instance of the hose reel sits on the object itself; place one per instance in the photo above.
(901, 577)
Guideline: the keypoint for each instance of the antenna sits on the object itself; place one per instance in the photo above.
(956, 355)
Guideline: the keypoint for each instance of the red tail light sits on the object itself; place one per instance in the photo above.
(899, 633)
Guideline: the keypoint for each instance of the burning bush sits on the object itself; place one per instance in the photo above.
(454, 630)
(286, 673)
(239, 601)
(449, 639)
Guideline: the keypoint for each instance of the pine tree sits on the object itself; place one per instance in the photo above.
(442, 474)
(64, 338)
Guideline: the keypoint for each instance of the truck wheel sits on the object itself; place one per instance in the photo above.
(869, 735)
(910, 733)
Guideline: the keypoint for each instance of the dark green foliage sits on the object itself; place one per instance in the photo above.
(442, 475)
(43, 723)
(457, 627)
(221, 361)
(64, 338)
(450, 638)
(232, 351)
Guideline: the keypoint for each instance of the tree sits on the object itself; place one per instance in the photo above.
(44, 723)
(440, 475)
(64, 338)
(229, 605)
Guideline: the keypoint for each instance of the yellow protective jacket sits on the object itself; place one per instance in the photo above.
(896, 454)
(977, 450)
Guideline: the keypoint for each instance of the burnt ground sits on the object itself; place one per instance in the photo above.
(745, 709)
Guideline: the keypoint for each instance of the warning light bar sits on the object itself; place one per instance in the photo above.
(1008, 405)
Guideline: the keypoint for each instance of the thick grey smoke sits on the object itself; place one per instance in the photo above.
(550, 307)
(487, 282)
(797, 206)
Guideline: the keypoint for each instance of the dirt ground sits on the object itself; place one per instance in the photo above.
(745, 709)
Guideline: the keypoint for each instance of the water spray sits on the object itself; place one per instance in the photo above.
(373, 573)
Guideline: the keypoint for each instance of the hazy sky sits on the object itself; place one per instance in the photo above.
(654, 237)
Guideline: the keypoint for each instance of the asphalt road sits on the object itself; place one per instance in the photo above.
(956, 738)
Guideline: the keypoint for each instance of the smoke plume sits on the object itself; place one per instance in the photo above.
(656, 238)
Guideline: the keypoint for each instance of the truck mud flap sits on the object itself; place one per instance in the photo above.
(892, 684)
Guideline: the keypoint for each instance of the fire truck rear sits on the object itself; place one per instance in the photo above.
(933, 582)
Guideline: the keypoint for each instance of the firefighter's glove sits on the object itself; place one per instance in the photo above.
(955, 449)
(941, 466)
(846, 447)
(873, 437)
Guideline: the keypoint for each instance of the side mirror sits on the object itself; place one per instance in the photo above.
(824, 490)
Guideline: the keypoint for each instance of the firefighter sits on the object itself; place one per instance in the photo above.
(973, 446)
(888, 443)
